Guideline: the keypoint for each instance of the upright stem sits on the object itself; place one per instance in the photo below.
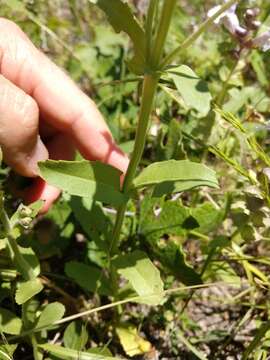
(149, 26)
(163, 28)
(150, 84)
(149, 89)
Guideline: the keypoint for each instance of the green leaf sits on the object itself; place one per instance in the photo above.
(88, 277)
(171, 255)
(7, 350)
(208, 217)
(31, 259)
(69, 354)
(132, 342)
(52, 313)
(100, 351)
(28, 289)
(169, 219)
(9, 322)
(30, 312)
(75, 335)
(94, 179)
(121, 18)
(143, 276)
(193, 90)
(175, 176)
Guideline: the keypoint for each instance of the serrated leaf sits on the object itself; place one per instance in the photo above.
(132, 342)
(175, 176)
(88, 277)
(75, 335)
(193, 90)
(90, 179)
(143, 276)
(9, 322)
(121, 18)
(52, 313)
(26, 290)
(69, 354)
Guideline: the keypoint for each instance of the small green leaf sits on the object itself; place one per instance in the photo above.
(9, 322)
(52, 313)
(75, 336)
(142, 274)
(172, 256)
(7, 350)
(88, 277)
(26, 290)
(94, 179)
(121, 18)
(175, 176)
(31, 259)
(132, 342)
(69, 354)
(208, 217)
(193, 90)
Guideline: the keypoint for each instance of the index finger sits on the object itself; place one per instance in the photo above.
(62, 104)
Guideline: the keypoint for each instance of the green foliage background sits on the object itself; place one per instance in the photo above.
(210, 236)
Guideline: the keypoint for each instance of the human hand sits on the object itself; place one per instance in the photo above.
(43, 114)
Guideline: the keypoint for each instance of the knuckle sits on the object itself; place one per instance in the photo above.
(7, 25)
(29, 111)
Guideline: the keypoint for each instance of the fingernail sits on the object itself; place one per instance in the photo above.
(40, 153)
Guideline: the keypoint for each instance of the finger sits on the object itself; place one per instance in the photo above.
(60, 147)
(19, 117)
(61, 102)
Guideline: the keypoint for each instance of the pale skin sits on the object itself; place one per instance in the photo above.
(43, 114)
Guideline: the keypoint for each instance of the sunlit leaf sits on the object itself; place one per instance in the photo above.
(26, 290)
(132, 342)
(193, 90)
(9, 322)
(52, 313)
(94, 180)
(69, 354)
(75, 335)
(175, 176)
(142, 274)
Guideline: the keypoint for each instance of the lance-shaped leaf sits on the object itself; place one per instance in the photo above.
(65, 353)
(90, 179)
(192, 89)
(121, 18)
(175, 176)
(143, 276)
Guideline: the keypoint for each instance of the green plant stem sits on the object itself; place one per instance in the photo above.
(149, 89)
(150, 83)
(14, 249)
(192, 38)
(112, 305)
(149, 26)
(162, 32)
